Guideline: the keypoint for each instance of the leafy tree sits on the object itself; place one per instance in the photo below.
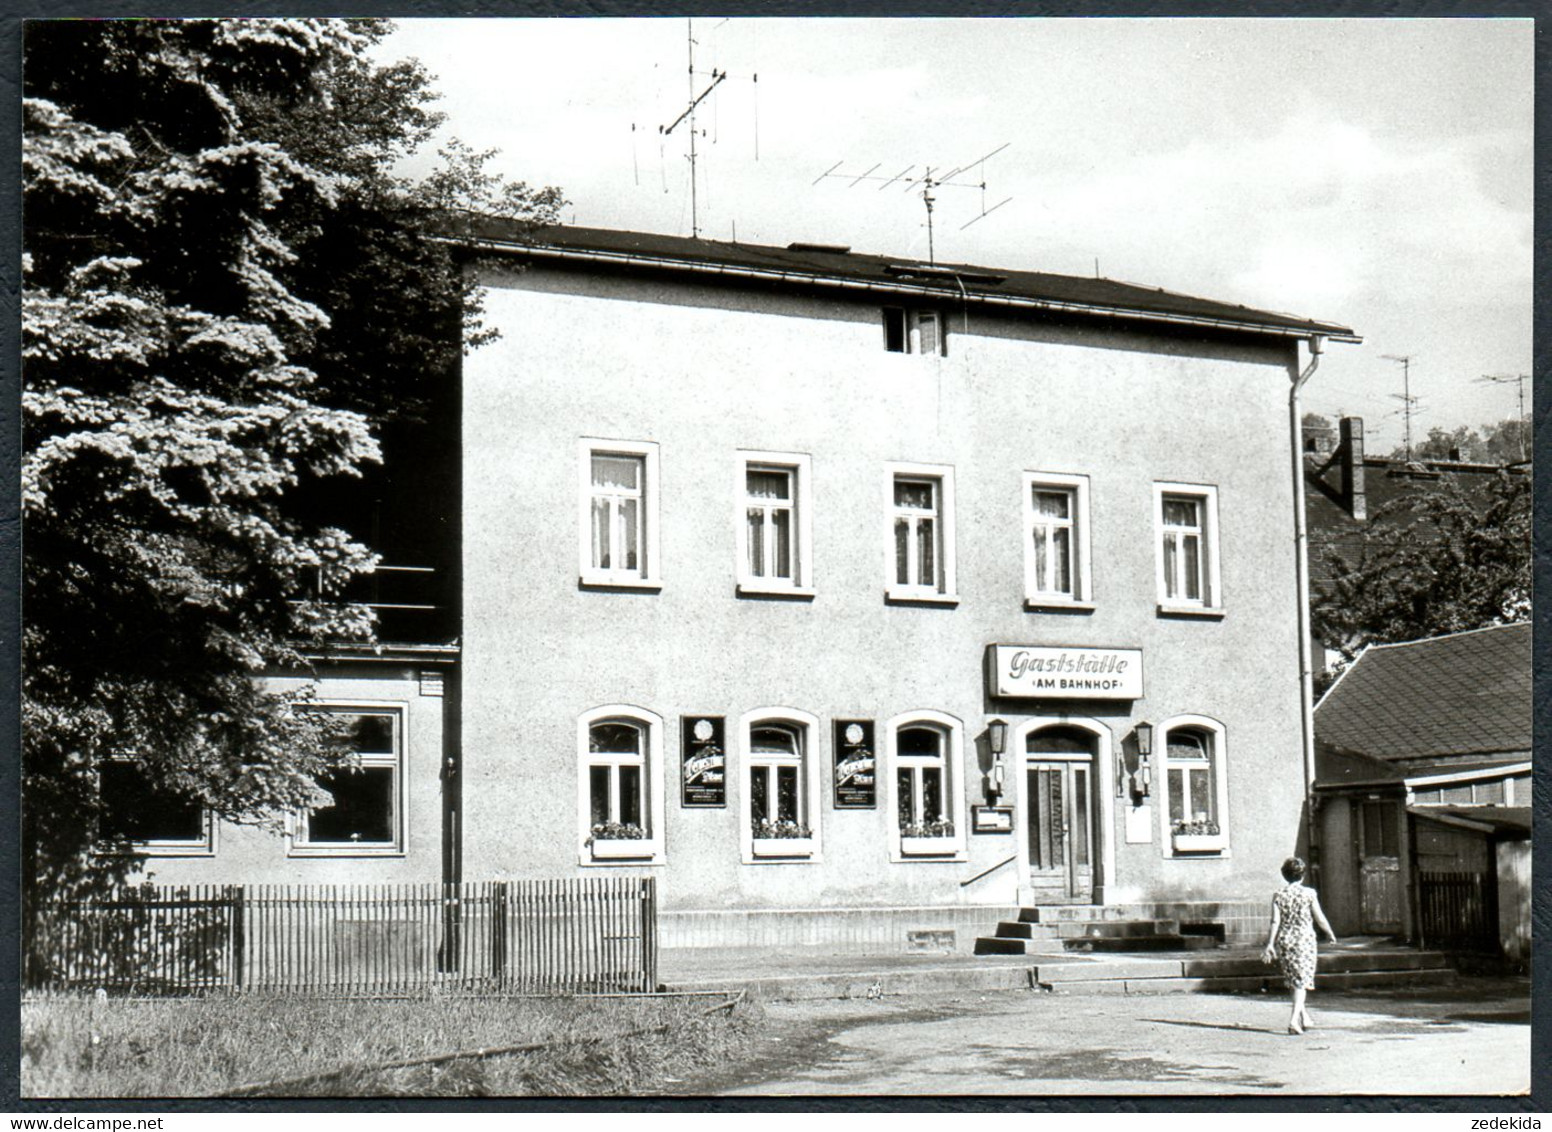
(1434, 561)
(1507, 442)
(224, 288)
(1444, 444)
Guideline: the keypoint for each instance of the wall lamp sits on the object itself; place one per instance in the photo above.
(997, 740)
(1142, 777)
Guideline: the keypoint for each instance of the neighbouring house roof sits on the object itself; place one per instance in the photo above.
(841, 268)
(1508, 822)
(1385, 480)
(1336, 768)
(1460, 699)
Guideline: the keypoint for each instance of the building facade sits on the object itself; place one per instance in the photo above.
(807, 580)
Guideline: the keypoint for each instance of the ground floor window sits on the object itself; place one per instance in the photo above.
(780, 786)
(620, 785)
(1195, 788)
(366, 811)
(925, 781)
(138, 815)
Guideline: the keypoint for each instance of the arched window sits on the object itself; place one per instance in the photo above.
(1195, 789)
(780, 789)
(924, 786)
(620, 785)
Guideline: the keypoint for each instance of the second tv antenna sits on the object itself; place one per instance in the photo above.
(928, 180)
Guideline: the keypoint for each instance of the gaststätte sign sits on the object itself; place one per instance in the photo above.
(1062, 673)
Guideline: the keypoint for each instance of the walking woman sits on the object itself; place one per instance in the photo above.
(1295, 916)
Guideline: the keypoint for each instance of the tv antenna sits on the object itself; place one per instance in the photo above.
(929, 180)
(1519, 379)
(1408, 402)
(687, 118)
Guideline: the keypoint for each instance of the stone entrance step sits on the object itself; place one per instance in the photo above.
(1049, 929)
(1241, 972)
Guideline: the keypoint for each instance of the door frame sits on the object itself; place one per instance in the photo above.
(1101, 787)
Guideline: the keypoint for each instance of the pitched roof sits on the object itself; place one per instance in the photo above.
(840, 267)
(1465, 697)
(1510, 822)
(1385, 481)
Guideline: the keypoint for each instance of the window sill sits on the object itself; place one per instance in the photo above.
(764, 589)
(940, 848)
(1198, 844)
(345, 851)
(782, 848)
(897, 595)
(149, 850)
(1199, 612)
(608, 582)
(624, 849)
(1057, 605)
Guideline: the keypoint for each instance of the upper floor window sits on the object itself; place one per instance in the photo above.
(915, 332)
(140, 816)
(1195, 785)
(921, 533)
(774, 524)
(1187, 540)
(620, 785)
(367, 811)
(781, 786)
(1056, 540)
(619, 513)
(925, 785)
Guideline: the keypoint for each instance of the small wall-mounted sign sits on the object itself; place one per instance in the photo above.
(703, 761)
(856, 765)
(1061, 673)
(431, 683)
(991, 819)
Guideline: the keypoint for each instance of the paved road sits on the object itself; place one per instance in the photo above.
(1474, 1038)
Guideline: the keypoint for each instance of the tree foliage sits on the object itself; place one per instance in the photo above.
(1506, 442)
(1436, 560)
(224, 287)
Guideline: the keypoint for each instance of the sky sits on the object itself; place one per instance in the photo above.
(1375, 173)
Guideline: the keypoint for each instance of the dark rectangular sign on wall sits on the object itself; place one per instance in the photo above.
(703, 761)
(856, 765)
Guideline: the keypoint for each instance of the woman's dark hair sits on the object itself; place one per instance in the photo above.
(1293, 869)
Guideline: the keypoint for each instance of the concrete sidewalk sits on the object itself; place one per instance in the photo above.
(814, 973)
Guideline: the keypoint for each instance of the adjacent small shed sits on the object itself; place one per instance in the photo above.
(1423, 789)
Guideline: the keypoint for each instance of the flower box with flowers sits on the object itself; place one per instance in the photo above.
(1200, 836)
(781, 839)
(928, 839)
(619, 841)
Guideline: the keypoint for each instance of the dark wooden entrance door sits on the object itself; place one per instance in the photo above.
(1060, 827)
(1379, 867)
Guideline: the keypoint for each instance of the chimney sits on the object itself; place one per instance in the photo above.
(1354, 497)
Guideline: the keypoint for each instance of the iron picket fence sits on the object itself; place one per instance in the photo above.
(586, 935)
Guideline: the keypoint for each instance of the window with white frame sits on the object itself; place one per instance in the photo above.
(774, 524)
(1056, 540)
(915, 332)
(366, 811)
(1187, 523)
(925, 785)
(620, 785)
(1195, 784)
(921, 532)
(138, 815)
(780, 795)
(619, 513)
(617, 779)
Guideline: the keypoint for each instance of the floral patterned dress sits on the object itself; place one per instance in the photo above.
(1295, 942)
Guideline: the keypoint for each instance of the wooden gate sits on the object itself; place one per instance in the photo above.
(1457, 911)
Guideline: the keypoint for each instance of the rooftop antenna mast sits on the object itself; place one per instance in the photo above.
(1519, 379)
(689, 114)
(1407, 400)
(931, 178)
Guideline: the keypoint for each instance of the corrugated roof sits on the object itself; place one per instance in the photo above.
(831, 265)
(1512, 822)
(1463, 697)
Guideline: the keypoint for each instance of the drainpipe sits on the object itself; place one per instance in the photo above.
(1317, 344)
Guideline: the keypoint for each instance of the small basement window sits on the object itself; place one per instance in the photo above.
(915, 332)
